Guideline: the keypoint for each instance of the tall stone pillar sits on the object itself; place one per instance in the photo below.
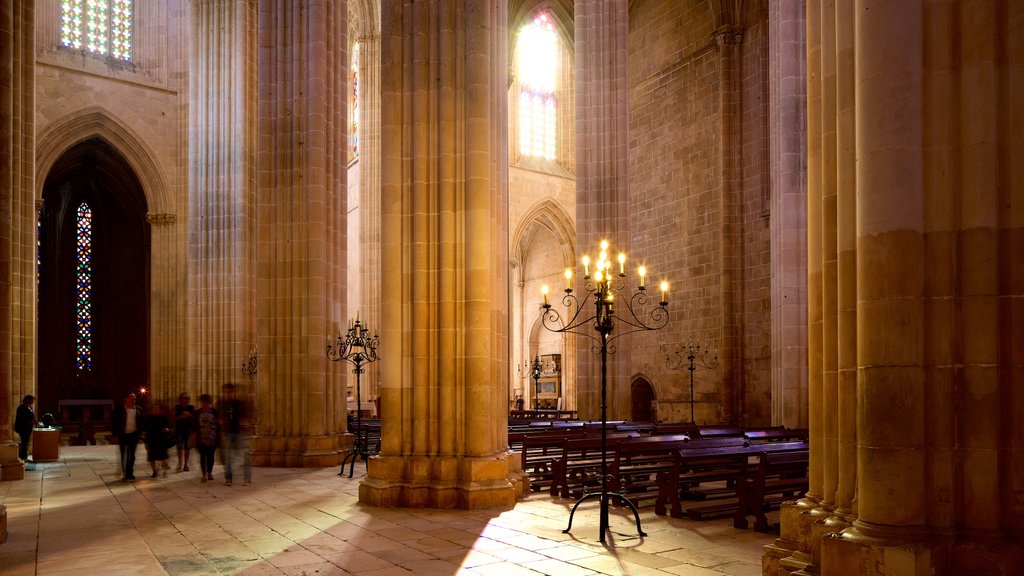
(444, 251)
(602, 176)
(788, 149)
(300, 235)
(168, 348)
(18, 218)
(369, 187)
(928, 208)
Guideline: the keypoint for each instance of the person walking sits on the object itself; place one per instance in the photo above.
(127, 423)
(184, 418)
(207, 435)
(158, 429)
(24, 421)
(236, 445)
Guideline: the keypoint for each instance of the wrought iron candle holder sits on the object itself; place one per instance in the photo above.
(688, 358)
(249, 366)
(607, 290)
(357, 348)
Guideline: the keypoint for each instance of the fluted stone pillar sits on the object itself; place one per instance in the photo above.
(444, 289)
(168, 376)
(18, 217)
(602, 176)
(300, 213)
(929, 204)
(788, 149)
(369, 189)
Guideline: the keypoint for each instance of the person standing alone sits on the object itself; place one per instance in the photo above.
(127, 422)
(24, 420)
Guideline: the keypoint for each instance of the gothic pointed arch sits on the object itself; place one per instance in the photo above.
(520, 12)
(96, 122)
(550, 216)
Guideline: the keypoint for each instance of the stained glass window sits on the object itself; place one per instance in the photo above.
(355, 100)
(537, 68)
(83, 287)
(99, 26)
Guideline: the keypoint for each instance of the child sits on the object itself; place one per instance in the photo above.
(207, 435)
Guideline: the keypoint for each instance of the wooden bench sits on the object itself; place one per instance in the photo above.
(775, 434)
(578, 465)
(538, 451)
(709, 474)
(634, 464)
(775, 476)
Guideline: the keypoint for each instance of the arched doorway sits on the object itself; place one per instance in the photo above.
(642, 394)
(93, 265)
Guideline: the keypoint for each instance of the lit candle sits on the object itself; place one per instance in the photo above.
(586, 267)
(568, 278)
(604, 245)
(622, 263)
(544, 291)
(664, 290)
(597, 276)
(643, 272)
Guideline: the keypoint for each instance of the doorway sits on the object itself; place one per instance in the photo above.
(642, 394)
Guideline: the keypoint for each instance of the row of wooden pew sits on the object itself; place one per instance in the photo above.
(718, 470)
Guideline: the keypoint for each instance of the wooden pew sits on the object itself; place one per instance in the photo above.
(635, 463)
(693, 469)
(578, 466)
(774, 477)
(775, 434)
(538, 451)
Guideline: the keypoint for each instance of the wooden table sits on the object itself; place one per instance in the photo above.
(45, 444)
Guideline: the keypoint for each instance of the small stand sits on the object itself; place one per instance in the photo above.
(605, 290)
(357, 347)
(694, 355)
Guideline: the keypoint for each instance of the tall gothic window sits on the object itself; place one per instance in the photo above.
(537, 69)
(354, 117)
(83, 287)
(98, 26)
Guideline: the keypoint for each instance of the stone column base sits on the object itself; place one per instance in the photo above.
(296, 451)
(11, 467)
(850, 553)
(438, 482)
(3, 523)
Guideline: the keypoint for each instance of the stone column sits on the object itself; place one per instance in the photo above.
(602, 177)
(369, 189)
(222, 195)
(18, 232)
(443, 257)
(300, 211)
(788, 144)
(168, 347)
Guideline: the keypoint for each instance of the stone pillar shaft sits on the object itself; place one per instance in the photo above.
(369, 191)
(444, 244)
(602, 176)
(301, 215)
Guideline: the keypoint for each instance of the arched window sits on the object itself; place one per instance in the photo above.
(83, 287)
(354, 117)
(537, 69)
(98, 26)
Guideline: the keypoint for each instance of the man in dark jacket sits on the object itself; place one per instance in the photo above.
(127, 424)
(24, 420)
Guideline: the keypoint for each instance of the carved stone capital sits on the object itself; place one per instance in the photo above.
(161, 219)
(728, 36)
(368, 38)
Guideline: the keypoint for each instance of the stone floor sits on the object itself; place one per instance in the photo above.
(76, 517)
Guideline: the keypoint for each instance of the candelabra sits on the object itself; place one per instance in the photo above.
(356, 347)
(535, 372)
(693, 356)
(605, 287)
(249, 366)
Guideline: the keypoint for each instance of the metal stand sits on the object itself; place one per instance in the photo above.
(356, 348)
(605, 290)
(694, 355)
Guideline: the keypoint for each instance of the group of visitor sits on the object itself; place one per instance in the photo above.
(200, 426)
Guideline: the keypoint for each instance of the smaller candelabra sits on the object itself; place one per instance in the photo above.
(249, 366)
(688, 357)
(535, 372)
(357, 348)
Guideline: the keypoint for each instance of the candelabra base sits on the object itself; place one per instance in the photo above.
(604, 496)
(359, 450)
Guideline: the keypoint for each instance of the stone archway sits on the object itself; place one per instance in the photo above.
(642, 398)
(94, 320)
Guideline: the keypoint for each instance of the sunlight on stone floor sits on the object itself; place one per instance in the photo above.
(76, 517)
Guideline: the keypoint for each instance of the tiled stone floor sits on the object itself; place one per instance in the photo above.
(76, 517)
